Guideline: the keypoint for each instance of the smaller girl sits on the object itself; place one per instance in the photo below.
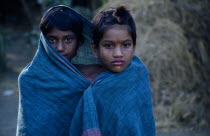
(123, 101)
(119, 101)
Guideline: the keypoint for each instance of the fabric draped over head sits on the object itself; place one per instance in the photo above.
(84, 53)
(55, 99)
(50, 87)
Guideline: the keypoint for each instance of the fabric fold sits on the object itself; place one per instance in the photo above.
(50, 88)
(55, 99)
(119, 104)
(49, 94)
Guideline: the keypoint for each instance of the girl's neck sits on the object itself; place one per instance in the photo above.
(90, 71)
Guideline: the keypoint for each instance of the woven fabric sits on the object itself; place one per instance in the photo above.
(57, 100)
(117, 104)
(51, 87)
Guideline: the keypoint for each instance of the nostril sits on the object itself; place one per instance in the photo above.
(60, 47)
(118, 53)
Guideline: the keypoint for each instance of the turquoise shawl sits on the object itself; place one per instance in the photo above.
(55, 99)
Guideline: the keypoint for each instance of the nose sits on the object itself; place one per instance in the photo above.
(118, 52)
(60, 46)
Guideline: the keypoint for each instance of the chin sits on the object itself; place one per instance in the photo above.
(116, 70)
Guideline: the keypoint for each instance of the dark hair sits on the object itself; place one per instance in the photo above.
(109, 17)
(62, 18)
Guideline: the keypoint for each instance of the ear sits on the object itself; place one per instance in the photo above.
(95, 50)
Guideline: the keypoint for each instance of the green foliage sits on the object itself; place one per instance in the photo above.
(33, 35)
(85, 12)
(98, 3)
(55, 2)
(104, 1)
(46, 4)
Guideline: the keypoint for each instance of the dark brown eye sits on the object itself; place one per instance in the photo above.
(69, 39)
(51, 40)
(126, 45)
(108, 45)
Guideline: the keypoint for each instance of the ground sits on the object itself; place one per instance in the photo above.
(19, 55)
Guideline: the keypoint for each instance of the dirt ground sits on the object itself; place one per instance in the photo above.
(8, 117)
(19, 55)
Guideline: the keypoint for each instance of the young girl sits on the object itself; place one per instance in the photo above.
(119, 101)
(64, 31)
(114, 38)
(51, 86)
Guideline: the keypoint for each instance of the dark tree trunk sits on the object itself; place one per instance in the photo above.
(27, 12)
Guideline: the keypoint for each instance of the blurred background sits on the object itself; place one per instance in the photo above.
(173, 41)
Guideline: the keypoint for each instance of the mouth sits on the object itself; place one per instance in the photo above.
(118, 62)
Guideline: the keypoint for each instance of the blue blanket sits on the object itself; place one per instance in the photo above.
(57, 100)
(116, 104)
(51, 87)
(49, 93)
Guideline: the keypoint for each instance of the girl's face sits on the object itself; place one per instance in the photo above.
(65, 42)
(115, 49)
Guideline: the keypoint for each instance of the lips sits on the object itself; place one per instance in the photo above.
(118, 62)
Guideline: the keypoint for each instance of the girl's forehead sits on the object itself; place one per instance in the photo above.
(118, 31)
(118, 26)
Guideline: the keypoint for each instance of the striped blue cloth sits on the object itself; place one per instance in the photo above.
(55, 99)
(50, 89)
(116, 104)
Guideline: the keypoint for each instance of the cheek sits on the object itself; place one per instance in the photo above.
(71, 48)
(104, 54)
(54, 45)
(130, 52)
(72, 45)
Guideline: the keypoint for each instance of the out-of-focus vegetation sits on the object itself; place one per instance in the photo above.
(173, 41)
(26, 15)
(45, 4)
(32, 12)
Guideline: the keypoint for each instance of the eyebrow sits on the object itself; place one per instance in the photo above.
(54, 36)
(127, 40)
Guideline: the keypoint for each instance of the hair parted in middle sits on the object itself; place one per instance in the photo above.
(106, 18)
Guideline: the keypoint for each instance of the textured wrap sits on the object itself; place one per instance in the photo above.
(57, 100)
(116, 104)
